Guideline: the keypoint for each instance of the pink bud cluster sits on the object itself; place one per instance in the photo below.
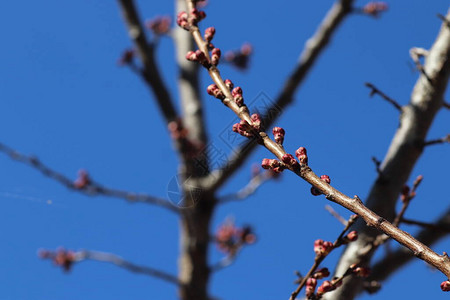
(289, 160)
(302, 156)
(327, 286)
(322, 247)
(375, 8)
(214, 90)
(237, 96)
(209, 34)
(278, 135)
(247, 130)
(310, 287)
(359, 271)
(127, 57)
(230, 238)
(324, 178)
(215, 56)
(350, 237)
(273, 164)
(244, 129)
(229, 84)
(240, 58)
(445, 286)
(185, 21)
(61, 257)
(198, 56)
(321, 273)
(83, 180)
(159, 25)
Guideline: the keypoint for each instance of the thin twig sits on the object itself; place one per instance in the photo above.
(377, 164)
(374, 90)
(431, 226)
(445, 139)
(355, 205)
(416, 53)
(93, 189)
(319, 258)
(336, 215)
(389, 264)
(84, 255)
(314, 47)
(145, 50)
(252, 186)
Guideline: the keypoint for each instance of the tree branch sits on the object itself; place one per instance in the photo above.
(445, 139)
(404, 151)
(375, 90)
(388, 265)
(249, 126)
(150, 73)
(119, 261)
(311, 52)
(89, 189)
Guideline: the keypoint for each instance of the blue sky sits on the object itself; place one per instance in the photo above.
(65, 100)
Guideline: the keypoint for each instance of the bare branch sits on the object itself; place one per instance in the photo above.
(431, 226)
(336, 215)
(250, 127)
(119, 261)
(374, 90)
(416, 54)
(445, 139)
(252, 186)
(391, 263)
(91, 189)
(320, 257)
(67, 258)
(416, 119)
(313, 48)
(150, 73)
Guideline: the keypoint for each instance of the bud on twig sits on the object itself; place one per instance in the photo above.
(182, 20)
(209, 34)
(215, 56)
(322, 247)
(321, 273)
(324, 178)
(278, 135)
(311, 284)
(445, 286)
(302, 156)
(214, 90)
(237, 96)
(272, 164)
(196, 16)
(229, 84)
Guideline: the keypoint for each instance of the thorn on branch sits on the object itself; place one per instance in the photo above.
(374, 90)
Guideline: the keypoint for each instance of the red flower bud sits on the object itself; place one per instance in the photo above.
(302, 156)
(445, 286)
(326, 286)
(256, 119)
(278, 134)
(310, 286)
(215, 56)
(214, 90)
(209, 34)
(321, 273)
(229, 84)
(289, 160)
(182, 20)
(352, 236)
(322, 247)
